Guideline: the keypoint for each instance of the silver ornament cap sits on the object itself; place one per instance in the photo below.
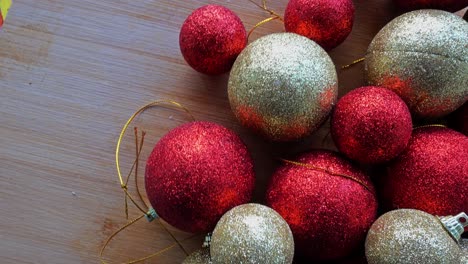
(455, 225)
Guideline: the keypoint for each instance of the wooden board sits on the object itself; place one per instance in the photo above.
(71, 73)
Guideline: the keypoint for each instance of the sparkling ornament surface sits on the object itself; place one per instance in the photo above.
(431, 174)
(423, 57)
(211, 38)
(327, 22)
(371, 125)
(282, 86)
(329, 215)
(196, 173)
(448, 5)
(410, 236)
(252, 233)
(201, 256)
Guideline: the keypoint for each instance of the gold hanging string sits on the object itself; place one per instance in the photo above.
(264, 7)
(261, 23)
(137, 153)
(122, 228)
(123, 185)
(431, 125)
(149, 212)
(362, 183)
(135, 165)
(353, 63)
(273, 16)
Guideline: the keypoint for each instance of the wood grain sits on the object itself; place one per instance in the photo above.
(71, 73)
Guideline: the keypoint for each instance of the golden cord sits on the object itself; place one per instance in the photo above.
(274, 16)
(353, 63)
(123, 185)
(122, 228)
(329, 172)
(432, 125)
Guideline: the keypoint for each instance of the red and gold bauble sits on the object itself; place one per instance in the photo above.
(447, 5)
(283, 86)
(422, 56)
(196, 173)
(431, 174)
(211, 38)
(371, 125)
(412, 236)
(328, 203)
(327, 22)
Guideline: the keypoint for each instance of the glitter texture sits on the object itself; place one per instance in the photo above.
(423, 57)
(201, 256)
(196, 173)
(371, 125)
(431, 174)
(448, 5)
(329, 215)
(211, 38)
(464, 251)
(410, 236)
(283, 86)
(327, 22)
(252, 233)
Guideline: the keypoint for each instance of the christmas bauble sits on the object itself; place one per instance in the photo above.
(282, 86)
(329, 206)
(201, 256)
(448, 5)
(410, 236)
(431, 174)
(327, 22)
(252, 233)
(422, 56)
(196, 173)
(371, 125)
(211, 38)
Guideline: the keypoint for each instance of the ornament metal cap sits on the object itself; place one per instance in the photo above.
(455, 225)
(207, 241)
(151, 215)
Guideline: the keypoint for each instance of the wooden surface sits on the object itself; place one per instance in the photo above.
(71, 73)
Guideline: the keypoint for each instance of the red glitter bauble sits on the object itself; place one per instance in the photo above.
(371, 125)
(329, 208)
(448, 5)
(431, 174)
(327, 22)
(211, 38)
(196, 173)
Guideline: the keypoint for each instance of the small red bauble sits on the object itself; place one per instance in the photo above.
(371, 125)
(329, 210)
(448, 5)
(431, 174)
(196, 173)
(211, 38)
(327, 22)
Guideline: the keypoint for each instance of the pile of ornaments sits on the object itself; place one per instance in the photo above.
(323, 205)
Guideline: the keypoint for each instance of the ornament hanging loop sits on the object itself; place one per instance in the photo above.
(455, 225)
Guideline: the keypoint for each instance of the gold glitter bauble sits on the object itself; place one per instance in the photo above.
(252, 233)
(423, 57)
(410, 236)
(283, 86)
(464, 251)
(201, 256)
